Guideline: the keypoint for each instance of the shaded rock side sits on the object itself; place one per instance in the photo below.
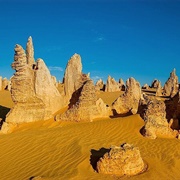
(156, 124)
(145, 86)
(73, 76)
(123, 160)
(121, 84)
(87, 107)
(129, 101)
(32, 90)
(155, 83)
(171, 86)
(111, 85)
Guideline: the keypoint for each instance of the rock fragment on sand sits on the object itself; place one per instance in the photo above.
(156, 124)
(123, 160)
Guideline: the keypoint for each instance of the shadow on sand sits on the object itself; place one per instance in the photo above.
(96, 155)
(3, 112)
(116, 115)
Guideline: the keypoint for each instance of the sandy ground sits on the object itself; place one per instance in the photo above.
(68, 151)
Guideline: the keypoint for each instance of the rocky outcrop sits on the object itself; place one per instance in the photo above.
(99, 85)
(73, 76)
(87, 108)
(171, 86)
(1, 83)
(54, 81)
(173, 107)
(32, 90)
(111, 85)
(121, 84)
(5, 84)
(129, 101)
(123, 160)
(145, 86)
(159, 89)
(156, 124)
(155, 83)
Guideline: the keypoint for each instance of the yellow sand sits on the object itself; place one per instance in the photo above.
(65, 151)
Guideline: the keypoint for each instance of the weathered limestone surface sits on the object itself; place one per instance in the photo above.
(87, 107)
(99, 85)
(1, 83)
(145, 86)
(171, 86)
(73, 77)
(156, 124)
(123, 160)
(54, 81)
(111, 85)
(159, 89)
(121, 84)
(129, 101)
(33, 91)
(5, 84)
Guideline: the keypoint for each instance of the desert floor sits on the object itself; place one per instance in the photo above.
(68, 151)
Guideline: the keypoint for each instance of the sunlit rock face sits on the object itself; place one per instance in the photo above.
(32, 88)
(156, 124)
(87, 107)
(171, 86)
(111, 85)
(73, 76)
(99, 85)
(129, 101)
(123, 160)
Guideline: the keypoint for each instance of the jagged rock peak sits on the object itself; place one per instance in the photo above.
(87, 107)
(171, 86)
(73, 76)
(19, 58)
(30, 51)
(111, 85)
(99, 85)
(129, 101)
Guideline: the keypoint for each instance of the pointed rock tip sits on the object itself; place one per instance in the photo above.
(30, 38)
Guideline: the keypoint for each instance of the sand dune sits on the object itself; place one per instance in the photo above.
(68, 151)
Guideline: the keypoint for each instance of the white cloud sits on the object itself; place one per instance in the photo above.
(55, 68)
(99, 39)
(96, 78)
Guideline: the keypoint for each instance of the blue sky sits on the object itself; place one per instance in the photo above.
(121, 38)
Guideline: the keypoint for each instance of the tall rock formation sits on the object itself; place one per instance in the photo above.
(87, 108)
(111, 85)
(73, 76)
(32, 89)
(129, 101)
(123, 160)
(156, 124)
(171, 86)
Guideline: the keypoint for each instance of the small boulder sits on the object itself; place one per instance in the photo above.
(123, 160)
